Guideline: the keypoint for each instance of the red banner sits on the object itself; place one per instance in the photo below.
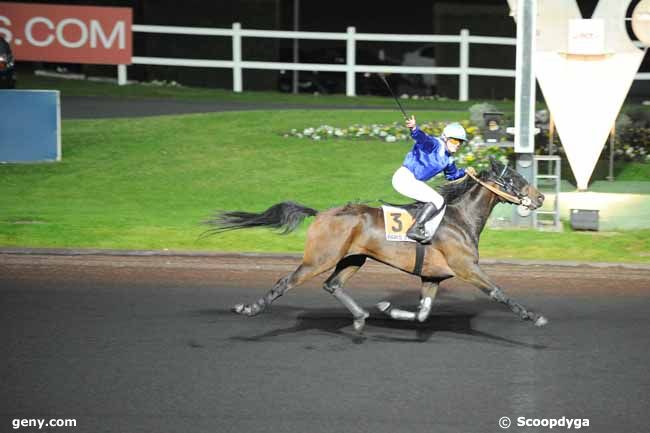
(70, 34)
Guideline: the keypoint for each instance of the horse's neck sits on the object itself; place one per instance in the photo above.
(477, 205)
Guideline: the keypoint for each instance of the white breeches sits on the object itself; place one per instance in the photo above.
(406, 184)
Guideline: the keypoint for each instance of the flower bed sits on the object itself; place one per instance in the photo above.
(474, 154)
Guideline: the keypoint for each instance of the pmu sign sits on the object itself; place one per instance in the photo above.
(70, 34)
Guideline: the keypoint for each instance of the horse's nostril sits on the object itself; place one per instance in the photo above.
(540, 197)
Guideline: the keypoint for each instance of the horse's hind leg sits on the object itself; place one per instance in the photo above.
(322, 252)
(334, 285)
(297, 277)
(428, 294)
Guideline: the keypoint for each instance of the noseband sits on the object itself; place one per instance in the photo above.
(506, 190)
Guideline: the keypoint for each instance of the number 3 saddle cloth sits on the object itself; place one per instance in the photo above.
(397, 221)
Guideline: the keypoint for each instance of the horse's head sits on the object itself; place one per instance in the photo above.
(512, 183)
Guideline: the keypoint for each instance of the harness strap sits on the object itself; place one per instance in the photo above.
(511, 198)
(419, 257)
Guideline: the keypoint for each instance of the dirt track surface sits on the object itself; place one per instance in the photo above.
(148, 344)
(261, 271)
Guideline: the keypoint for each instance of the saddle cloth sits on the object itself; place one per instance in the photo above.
(397, 221)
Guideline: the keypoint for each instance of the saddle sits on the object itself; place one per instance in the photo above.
(413, 208)
(398, 218)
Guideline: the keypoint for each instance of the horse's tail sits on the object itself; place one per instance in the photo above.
(286, 216)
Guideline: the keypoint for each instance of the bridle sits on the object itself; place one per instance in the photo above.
(507, 192)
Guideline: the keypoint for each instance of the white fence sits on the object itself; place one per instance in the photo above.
(237, 64)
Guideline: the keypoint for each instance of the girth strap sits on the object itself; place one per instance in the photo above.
(419, 257)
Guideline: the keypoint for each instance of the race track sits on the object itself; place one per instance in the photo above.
(148, 344)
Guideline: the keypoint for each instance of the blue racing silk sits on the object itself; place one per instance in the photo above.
(429, 157)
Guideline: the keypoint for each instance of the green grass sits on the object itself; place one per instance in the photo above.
(637, 184)
(624, 246)
(147, 183)
(633, 171)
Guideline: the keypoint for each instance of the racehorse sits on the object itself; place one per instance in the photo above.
(343, 238)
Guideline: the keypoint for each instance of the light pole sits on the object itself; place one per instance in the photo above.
(612, 140)
(525, 98)
(296, 24)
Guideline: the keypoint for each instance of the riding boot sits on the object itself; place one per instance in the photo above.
(417, 231)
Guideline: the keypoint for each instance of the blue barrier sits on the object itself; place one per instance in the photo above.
(30, 126)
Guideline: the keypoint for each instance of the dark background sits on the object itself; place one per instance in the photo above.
(484, 18)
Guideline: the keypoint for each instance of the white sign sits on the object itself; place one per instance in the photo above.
(586, 37)
(585, 93)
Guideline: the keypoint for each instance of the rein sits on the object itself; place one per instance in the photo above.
(509, 197)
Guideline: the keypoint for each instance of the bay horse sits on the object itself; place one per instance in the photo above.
(343, 238)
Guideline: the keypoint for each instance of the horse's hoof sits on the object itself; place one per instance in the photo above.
(541, 321)
(245, 310)
(384, 307)
(360, 322)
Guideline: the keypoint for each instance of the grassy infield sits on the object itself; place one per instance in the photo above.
(147, 183)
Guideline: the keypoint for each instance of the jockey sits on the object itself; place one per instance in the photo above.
(429, 156)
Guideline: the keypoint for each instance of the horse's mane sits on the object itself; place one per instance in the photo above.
(453, 191)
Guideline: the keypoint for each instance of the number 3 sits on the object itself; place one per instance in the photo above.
(400, 225)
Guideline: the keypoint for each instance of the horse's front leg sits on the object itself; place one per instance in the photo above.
(428, 294)
(473, 274)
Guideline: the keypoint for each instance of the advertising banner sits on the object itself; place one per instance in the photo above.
(68, 34)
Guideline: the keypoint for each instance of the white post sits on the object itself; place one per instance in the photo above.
(236, 58)
(463, 78)
(296, 27)
(351, 57)
(525, 98)
(525, 79)
(121, 75)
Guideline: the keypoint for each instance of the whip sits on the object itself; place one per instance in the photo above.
(383, 78)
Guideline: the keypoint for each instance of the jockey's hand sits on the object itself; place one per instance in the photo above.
(470, 170)
(410, 123)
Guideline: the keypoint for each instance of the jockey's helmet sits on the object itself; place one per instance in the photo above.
(455, 130)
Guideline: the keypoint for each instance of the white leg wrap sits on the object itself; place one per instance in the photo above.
(350, 304)
(398, 314)
(425, 309)
(422, 314)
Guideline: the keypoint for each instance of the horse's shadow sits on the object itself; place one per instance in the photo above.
(453, 316)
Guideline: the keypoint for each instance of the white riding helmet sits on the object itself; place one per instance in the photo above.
(455, 130)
